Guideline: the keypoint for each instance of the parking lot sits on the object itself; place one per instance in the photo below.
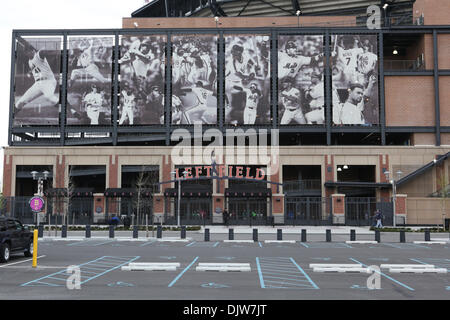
(278, 270)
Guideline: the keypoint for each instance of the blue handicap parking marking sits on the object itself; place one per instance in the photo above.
(379, 259)
(89, 243)
(405, 245)
(214, 285)
(386, 276)
(356, 286)
(120, 284)
(439, 263)
(447, 288)
(282, 273)
(206, 244)
(94, 269)
(147, 243)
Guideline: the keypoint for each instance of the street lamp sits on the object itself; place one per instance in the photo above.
(179, 194)
(40, 177)
(298, 17)
(394, 192)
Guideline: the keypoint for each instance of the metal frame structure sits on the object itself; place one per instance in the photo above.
(161, 133)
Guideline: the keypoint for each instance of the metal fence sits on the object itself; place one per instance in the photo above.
(360, 211)
(315, 211)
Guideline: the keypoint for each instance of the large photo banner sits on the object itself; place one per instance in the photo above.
(36, 82)
(301, 80)
(142, 70)
(247, 79)
(89, 76)
(355, 80)
(194, 79)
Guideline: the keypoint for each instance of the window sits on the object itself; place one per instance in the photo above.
(18, 225)
(11, 225)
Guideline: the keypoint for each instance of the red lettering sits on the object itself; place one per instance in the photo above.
(177, 176)
(198, 171)
(260, 174)
(239, 172)
(188, 174)
(248, 176)
(221, 170)
(230, 171)
(208, 171)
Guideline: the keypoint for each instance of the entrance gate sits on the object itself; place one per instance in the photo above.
(247, 211)
(315, 211)
(359, 211)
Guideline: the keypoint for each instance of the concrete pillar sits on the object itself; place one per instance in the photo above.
(401, 209)
(338, 209)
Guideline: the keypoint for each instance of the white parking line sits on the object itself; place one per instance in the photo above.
(13, 263)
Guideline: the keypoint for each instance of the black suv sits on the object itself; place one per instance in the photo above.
(14, 237)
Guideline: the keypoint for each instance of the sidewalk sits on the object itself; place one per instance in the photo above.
(288, 229)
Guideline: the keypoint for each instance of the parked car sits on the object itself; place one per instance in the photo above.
(14, 237)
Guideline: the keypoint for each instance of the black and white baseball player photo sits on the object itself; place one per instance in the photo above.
(194, 79)
(89, 80)
(36, 94)
(142, 69)
(247, 78)
(355, 76)
(300, 77)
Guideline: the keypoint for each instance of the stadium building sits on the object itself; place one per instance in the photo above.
(348, 100)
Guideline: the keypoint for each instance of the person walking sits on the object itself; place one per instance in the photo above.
(225, 217)
(378, 218)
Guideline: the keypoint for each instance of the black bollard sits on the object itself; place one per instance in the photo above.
(111, 231)
(377, 236)
(159, 232)
(88, 231)
(303, 235)
(427, 235)
(279, 234)
(64, 231)
(135, 232)
(231, 234)
(183, 232)
(328, 235)
(402, 236)
(255, 235)
(40, 231)
(352, 235)
(206, 234)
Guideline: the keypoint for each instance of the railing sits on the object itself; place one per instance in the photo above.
(302, 185)
(403, 65)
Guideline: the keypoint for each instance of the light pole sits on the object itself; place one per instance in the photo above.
(394, 192)
(298, 17)
(179, 195)
(40, 177)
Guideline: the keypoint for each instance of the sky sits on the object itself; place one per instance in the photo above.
(51, 14)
